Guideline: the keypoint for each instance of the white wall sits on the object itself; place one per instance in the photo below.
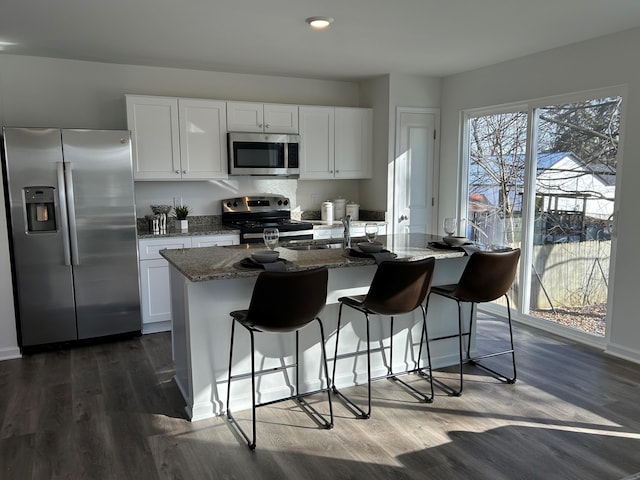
(64, 93)
(604, 62)
(385, 94)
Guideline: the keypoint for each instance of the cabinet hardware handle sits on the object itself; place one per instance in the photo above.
(177, 172)
(184, 171)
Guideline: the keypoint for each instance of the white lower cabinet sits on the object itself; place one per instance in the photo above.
(155, 291)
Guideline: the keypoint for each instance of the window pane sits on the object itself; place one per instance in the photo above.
(497, 155)
(575, 194)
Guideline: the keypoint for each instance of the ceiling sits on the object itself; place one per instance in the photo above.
(368, 37)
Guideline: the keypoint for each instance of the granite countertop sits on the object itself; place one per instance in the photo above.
(218, 229)
(219, 263)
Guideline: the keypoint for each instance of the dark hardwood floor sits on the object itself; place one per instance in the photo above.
(112, 411)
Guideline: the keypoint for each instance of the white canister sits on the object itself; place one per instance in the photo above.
(353, 209)
(326, 212)
(339, 208)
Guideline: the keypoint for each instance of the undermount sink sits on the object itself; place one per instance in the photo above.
(313, 246)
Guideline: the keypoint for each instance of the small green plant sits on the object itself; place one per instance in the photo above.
(182, 212)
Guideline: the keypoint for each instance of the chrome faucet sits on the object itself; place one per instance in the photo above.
(346, 236)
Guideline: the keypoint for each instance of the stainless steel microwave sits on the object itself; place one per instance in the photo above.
(264, 154)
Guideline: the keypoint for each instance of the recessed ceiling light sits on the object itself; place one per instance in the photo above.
(319, 23)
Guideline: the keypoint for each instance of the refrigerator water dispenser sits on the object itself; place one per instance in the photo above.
(41, 210)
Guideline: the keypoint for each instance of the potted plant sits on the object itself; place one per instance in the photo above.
(181, 214)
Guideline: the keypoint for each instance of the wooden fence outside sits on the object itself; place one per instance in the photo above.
(570, 274)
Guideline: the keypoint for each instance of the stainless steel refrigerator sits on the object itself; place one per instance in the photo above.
(72, 233)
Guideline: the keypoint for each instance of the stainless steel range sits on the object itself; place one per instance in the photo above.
(251, 215)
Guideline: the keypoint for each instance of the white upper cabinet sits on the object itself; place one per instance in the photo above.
(335, 142)
(177, 139)
(203, 139)
(317, 142)
(262, 117)
(153, 122)
(353, 155)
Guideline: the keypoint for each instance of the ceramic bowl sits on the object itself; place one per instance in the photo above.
(265, 256)
(455, 241)
(370, 247)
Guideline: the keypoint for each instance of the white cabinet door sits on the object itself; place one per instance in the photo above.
(245, 117)
(153, 122)
(259, 117)
(203, 140)
(353, 142)
(317, 142)
(280, 118)
(155, 296)
(215, 240)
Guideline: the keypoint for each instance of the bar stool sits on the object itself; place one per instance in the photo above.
(486, 277)
(282, 302)
(397, 287)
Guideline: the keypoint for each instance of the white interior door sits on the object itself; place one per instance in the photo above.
(414, 171)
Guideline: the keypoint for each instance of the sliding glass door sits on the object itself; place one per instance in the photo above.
(543, 178)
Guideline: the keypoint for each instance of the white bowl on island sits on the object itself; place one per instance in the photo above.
(454, 241)
(265, 256)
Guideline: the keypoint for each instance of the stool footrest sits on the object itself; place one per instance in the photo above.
(496, 374)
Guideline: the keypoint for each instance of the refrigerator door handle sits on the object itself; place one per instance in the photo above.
(73, 233)
(64, 225)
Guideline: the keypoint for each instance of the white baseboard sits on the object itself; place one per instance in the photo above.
(624, 353)
(10, 353)
(156, 327)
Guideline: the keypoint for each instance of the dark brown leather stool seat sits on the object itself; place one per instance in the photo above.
(282, 302)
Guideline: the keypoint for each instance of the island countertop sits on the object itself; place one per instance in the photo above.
(218, 263)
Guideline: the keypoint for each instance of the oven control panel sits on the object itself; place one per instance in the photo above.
(255, 204)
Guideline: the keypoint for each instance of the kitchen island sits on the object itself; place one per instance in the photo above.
(208, 283)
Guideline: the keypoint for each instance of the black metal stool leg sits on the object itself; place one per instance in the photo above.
(424, 334)
(251, 442)
(511, 351)
(357, 410)
(233, 328)
(390, 365)
(335, 355)
(252, 445)
(393, 376)
(448, 389)
(326, 373)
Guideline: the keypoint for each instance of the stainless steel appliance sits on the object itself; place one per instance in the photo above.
(251, 215)
(264, 154)
(73, 233)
